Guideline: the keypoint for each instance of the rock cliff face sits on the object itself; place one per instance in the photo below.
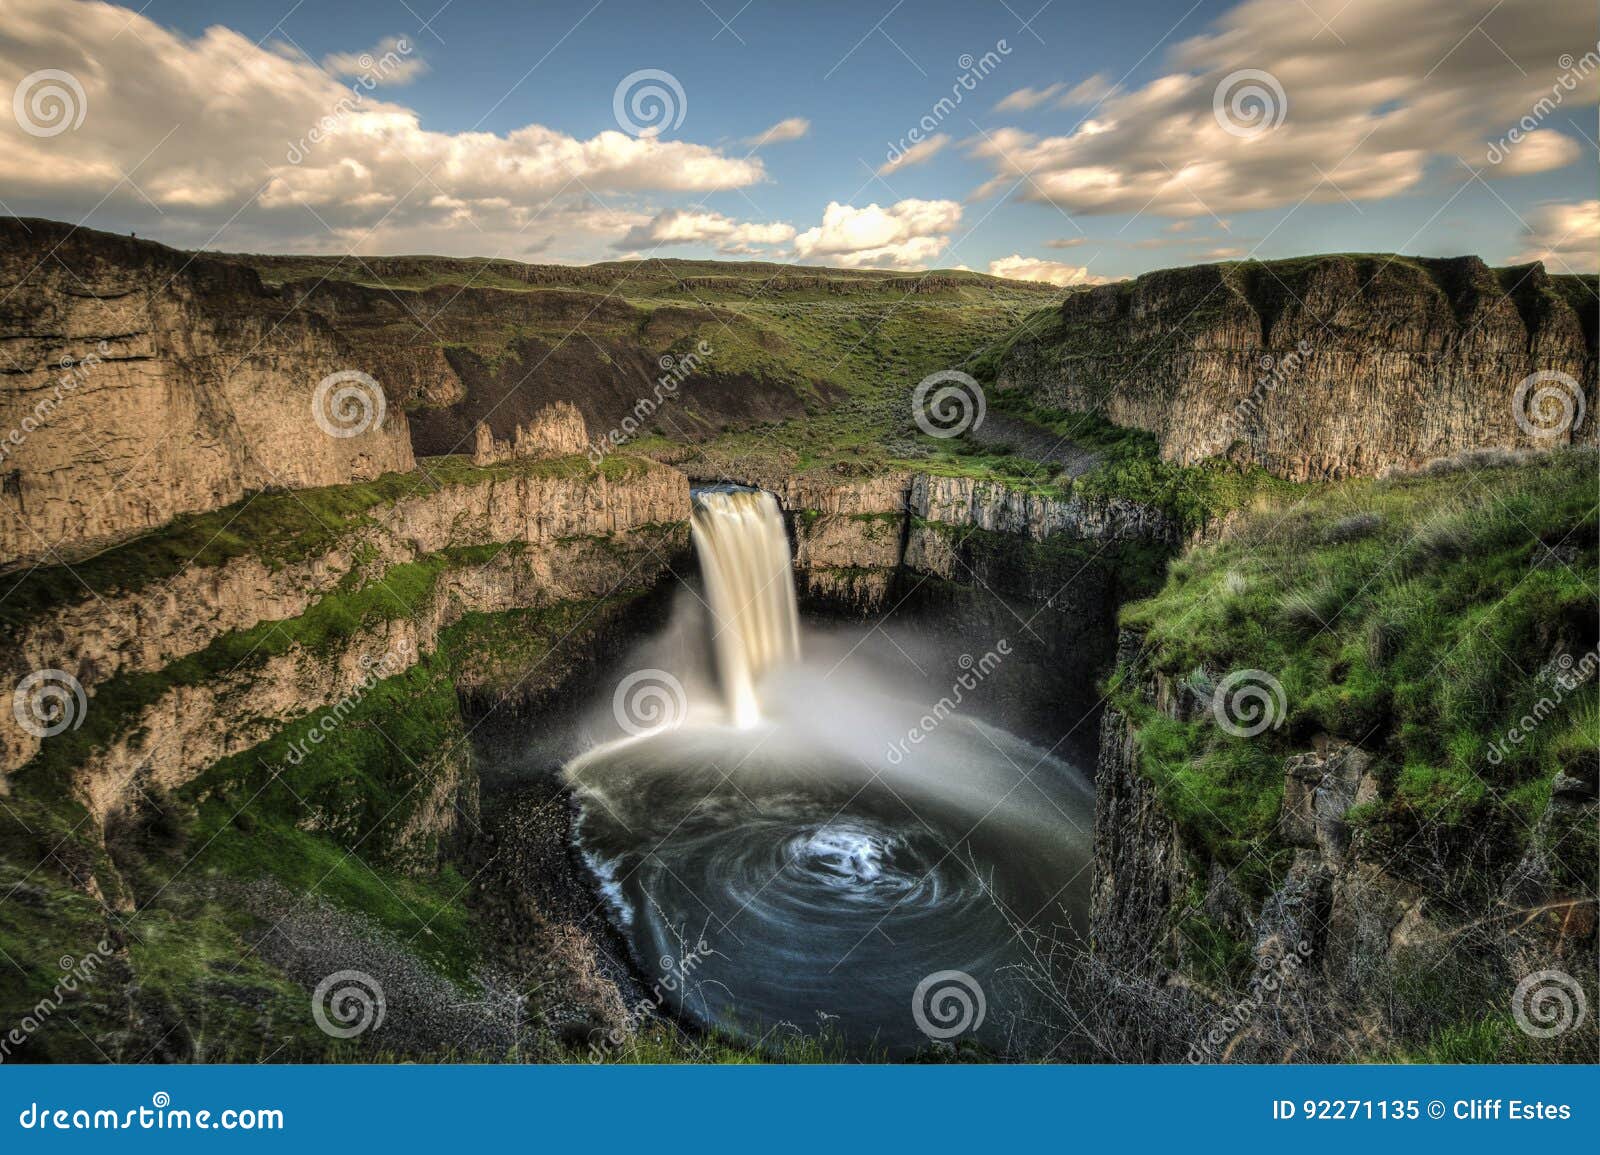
(553, 432)
(1323, 367)
(1342, 936)
(137, 383)
(104, 635)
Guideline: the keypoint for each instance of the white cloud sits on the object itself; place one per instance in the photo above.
(919, 153)
(793, 128)
(1024, 99)
(1091, 91)
(1021, 268)
(1397, 87)
(1566, 237)
(393, 60)
(1542, 150)
(267, 147)
(906, 235)
(1065, 242)
(1087, 91)
(689, 227)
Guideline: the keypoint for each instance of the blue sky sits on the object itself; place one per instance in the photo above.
(1386, 112)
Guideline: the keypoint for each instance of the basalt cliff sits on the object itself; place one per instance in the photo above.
(1324, 367)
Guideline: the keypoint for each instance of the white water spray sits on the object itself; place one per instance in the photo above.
(755, 621)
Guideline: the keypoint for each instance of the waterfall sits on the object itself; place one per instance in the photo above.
(755, 621)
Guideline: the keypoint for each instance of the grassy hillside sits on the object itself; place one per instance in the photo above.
(1420, 618)
(807, 366)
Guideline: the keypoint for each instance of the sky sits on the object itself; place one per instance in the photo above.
(1045, 139)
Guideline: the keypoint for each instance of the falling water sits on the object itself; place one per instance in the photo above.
(744, 559)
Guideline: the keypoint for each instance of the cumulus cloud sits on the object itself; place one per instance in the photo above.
(689, 227)
(1398, 86)
(793, 128)
(1566, 237)
(393, 60)
(906, 235)
(1539, 151)
(257, 148)
(1021, 268)
(919, 153)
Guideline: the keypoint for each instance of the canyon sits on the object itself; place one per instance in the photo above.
(219, 573)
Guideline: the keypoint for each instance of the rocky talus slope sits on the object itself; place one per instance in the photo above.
(1316, 368)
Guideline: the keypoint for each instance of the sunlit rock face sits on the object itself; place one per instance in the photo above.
(1319, 368)
(145, 383)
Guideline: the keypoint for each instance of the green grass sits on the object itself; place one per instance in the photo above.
(1412, 617)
